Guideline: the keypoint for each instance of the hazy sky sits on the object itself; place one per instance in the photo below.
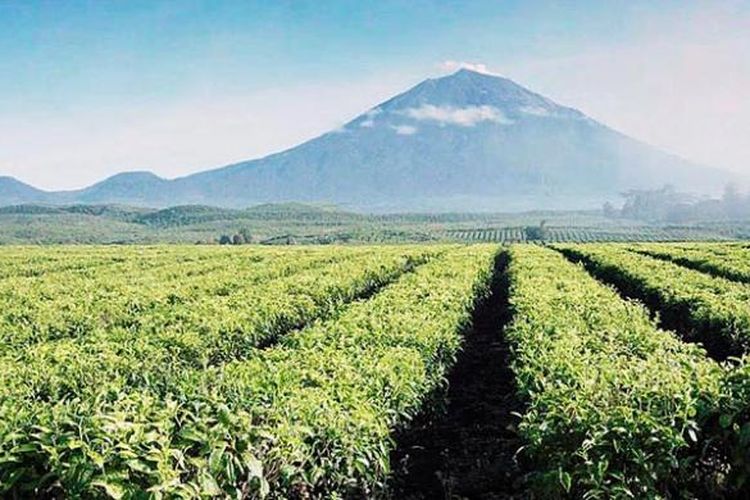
(91, 88)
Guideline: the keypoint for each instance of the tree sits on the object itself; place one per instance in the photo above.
(225, 240)
(609, 210)
(536, 233)
(654, 204)
(237, 239)
(245, 233)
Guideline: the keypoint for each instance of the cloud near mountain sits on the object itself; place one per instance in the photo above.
(405, 129)
(465, 117)
(451, 66)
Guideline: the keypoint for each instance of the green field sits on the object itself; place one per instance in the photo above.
(404, 371)
(299, 224)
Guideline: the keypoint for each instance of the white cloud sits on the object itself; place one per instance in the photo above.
(451, 66)
(369, 120)
(404, 129)
(464, 117)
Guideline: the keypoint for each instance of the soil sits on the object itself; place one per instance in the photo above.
(464, 446)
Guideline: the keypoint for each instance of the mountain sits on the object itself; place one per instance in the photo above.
(134, 188)
(467, 141)
(15, 192)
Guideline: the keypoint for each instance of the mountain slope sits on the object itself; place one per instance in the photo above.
(138, 188)
(466, 141)
(14, 192)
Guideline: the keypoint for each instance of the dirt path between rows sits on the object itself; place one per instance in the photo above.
(466, 449)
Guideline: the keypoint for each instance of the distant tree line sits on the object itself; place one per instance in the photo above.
(671, 206)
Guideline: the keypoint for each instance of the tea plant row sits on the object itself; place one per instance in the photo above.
(310, 415)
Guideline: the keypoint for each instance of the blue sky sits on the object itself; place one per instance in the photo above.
(91, 88)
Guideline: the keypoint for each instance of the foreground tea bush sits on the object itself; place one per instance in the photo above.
(171, 340)
(614, 403)
(312, 415)
(729, 432)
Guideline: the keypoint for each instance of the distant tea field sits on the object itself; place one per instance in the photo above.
(585, 370)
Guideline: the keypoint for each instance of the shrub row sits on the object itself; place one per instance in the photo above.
(167, 341)
(312, 415)
(614, 403)
(74, 305)
(703, 308)
(40, 261)
(726, 261)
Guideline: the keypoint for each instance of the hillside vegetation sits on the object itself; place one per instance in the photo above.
(295, 223)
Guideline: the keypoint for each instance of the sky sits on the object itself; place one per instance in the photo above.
(92, 88)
